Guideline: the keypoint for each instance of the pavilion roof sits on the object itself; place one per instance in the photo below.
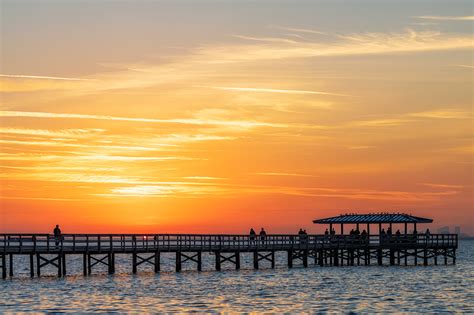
(373, 218)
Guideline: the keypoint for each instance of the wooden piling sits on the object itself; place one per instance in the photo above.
(255, 259)
(32, 267)
(237, 260)
(218, 261)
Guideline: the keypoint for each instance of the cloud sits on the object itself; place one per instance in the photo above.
(267, 39)
(21, 76)
(263, 90)
(284, 174)
(442, 185)
(445, 18)
(443, 114)
(65, 133)
(298, 30)
(409, 41)
(188, 121)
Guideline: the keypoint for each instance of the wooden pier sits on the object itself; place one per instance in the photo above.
(324, 250)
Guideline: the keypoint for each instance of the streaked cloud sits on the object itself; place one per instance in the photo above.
(40, 77)
(284, 174)
(264, 90)
(267, 39)
(442, 185)
(298, 30)
(188, 121)
(445, 18)
(443, 114)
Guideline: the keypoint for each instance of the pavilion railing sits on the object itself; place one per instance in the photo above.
(27, 243)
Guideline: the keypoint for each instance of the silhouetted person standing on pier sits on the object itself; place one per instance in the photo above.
(263, 235)
(57, 235)
(252, 236)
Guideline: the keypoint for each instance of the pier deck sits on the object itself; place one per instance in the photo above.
(326, 250)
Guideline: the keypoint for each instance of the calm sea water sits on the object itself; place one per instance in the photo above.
(314, 289)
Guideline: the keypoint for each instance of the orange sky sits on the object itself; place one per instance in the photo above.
(125, 120)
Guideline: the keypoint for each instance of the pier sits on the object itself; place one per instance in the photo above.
(324, 250)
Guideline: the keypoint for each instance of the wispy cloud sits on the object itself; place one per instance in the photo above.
(410, 41)
(442, 185)
(267, 39)
(298, 30)
(264, 90)
(445, 18)
(284, 174)
(443, 114)
(41, 77)
(65, 133)
(188, 121)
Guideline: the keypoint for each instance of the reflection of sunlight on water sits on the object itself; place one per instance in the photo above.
(359, 289)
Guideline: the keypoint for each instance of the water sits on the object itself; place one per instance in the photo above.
(314, 289)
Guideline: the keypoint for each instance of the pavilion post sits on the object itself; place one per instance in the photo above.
(406, 228)
(342, 228)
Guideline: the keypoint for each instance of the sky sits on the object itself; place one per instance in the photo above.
(217, 116)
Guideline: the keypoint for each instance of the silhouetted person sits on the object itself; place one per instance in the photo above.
(263, 235)
(57, 234)
(326, 232)
(382, 235)
(333, 231)
(427, 234)
(398, 235)
(364, 233)
(252, 236)
(389, 231)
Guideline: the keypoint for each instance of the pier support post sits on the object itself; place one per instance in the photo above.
(290, 259)
(111, 263)
(84, 264)
(237, 260)
(134, 263)
(445, 256)
(157, 262)
(305, 258)
(416, 257)
(454, 256)
(218, 261)
(425, 257)
(4, 266)
(336, 257)
(178, 261)
(321, 258)
(63, 260)
(199, 261)
(10, 266)
(392, 257)
(379, 257)
(38, 264)
(255, 259)
(32, 267)
(273, 259)
(89, 264)
(60, 265)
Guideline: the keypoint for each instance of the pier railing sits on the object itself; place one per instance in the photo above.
(80, 243)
